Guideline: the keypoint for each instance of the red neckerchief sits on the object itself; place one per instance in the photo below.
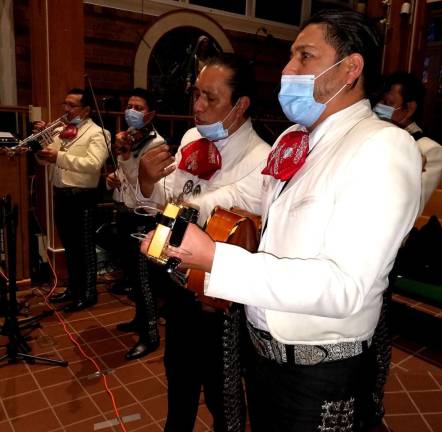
(70, 131)
(288, 156)
(200, 158)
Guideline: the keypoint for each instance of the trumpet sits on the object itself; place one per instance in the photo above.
(44, 137)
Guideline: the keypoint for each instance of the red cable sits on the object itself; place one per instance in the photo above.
(69, 334)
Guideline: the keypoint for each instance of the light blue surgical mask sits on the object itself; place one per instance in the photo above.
(75, 121)
(134, 118)
(384, 111)
(297, 100)
(215, 131)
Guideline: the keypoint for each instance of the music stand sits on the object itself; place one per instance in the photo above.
(17, 348)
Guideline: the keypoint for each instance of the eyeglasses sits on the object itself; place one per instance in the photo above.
(136, 107)
(69, 106)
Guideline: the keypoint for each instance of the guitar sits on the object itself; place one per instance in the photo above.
(235, 226)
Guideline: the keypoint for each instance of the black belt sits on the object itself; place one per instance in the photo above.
(308, 355)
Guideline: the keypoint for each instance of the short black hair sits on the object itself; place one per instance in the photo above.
(86, 99)
(242, 80)
(412, 89)
(349, 32)
(143, 94)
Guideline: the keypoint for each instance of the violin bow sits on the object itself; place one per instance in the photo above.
(106, 140)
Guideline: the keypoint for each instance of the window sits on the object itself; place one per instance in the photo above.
(283, 11)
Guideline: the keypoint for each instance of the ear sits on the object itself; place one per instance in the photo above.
(243, 104)
(355, 65)
(411, 108)
(149, 116)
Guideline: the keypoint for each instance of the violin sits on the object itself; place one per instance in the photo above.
(125, 140)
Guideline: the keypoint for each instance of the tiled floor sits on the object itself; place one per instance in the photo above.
(42, 398)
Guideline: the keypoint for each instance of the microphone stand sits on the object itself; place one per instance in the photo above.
(17, 348)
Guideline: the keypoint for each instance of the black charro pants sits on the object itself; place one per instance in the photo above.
(201, 352)
(75, 219)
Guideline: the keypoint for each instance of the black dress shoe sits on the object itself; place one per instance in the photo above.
(129, 327)
(141, 349)
(60, 297)
(79, 305)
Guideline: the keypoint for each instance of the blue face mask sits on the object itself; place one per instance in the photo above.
(75, 121)
(297, 100)
(215, 131)
(134, 119)
(384, 111)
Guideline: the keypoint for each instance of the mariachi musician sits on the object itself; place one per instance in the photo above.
(75, 158)
(130, 145)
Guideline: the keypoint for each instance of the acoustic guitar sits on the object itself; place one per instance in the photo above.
(235, 226)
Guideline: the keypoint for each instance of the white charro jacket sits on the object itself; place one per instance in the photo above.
(80, 159)
(237, 183)
(332, 234)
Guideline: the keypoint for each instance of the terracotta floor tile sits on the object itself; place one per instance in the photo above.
(17, 385)
(107, 346)
(121, 396)
(157, 407)
(417, 381)
(3, 416)
(95, 384)
(435, 421)
(132, 372)
(406, 423)
(112, 355)
(23, 404)
(73, 354)
(428, 401)
(65, 392)
(128, 340)
(392, 383)
(155, 365)
(398, 403)
(415, 364)
(42, 421)
(437, 376)
(147, 389)
(91, 334)
(53, 375)
(5, 427)
(76, 410)
(88, 425)
(398, 355)
(8, 370)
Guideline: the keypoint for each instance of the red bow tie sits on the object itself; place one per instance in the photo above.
(288, 156)
(200, 158)
(70, 131)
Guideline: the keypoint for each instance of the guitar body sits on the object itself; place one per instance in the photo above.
(236, 227)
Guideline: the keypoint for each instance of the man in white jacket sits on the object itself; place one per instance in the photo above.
(340, 193)
(219, 162)
(401, 104)
(75, 157)
(130, 146)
